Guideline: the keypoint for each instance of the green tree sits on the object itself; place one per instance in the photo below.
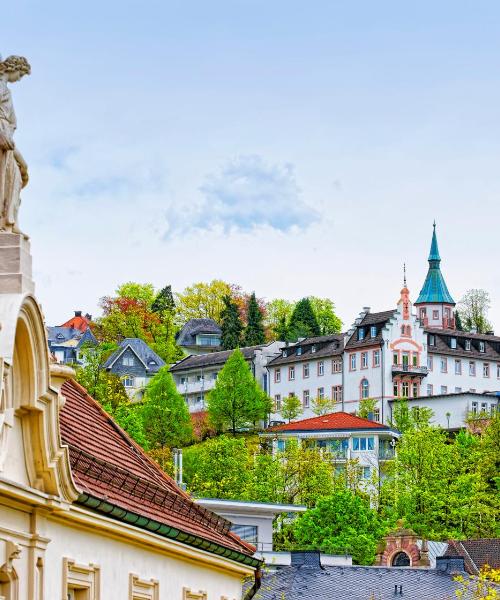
(237, 400)
(254, 331)
(322, 406)
(231, 325)
(324, 310)
(367, 408)
(164, 301)
(94, 378)
(291, 408)
(303, 322)
(342, 522)
(218, 468)
(473, 310)
(458, 321)
(128, 416)
(278, 313)
(203, 301)
(165, 414)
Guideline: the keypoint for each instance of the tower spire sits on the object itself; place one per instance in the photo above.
(404, 274)
(434, 290)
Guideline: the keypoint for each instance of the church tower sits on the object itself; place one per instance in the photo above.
(434, 304)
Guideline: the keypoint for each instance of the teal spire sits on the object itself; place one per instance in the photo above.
(434, 290)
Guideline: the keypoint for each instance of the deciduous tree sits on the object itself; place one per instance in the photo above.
(202, 301)
(291, 408)
(324, 310)
(322, 406)
(473, 310)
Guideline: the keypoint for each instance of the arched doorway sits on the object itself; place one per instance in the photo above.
(401, 559)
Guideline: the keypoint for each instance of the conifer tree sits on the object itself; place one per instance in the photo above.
(231, 325)
(164, 301)
(303, 322)
(254, 331)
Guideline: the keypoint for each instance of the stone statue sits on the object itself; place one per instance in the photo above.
(13, 168)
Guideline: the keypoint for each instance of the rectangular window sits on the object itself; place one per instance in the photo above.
(291, 373)
(364, 360)
(353, 362)
(373, 331)
(431, 339)
(143, 589)
(435, 315)
(484, 407)
(277, 402)
(395, 358)
(481, 347)
(336, 365)
(321, 368)
(199, 378)
(486, 369)
(81, 582)
(498, 371)
(472, 368)
(365, 472)
(361, 444)
(458, 390)
(430, 389)
(313, 348)
(414, 390)
(361, 333)
(298, 351)
(305, 371)
(474, 407)
(458, 367)
(321, 393)
(430, 362)
(214, 375)
(467, 344)
(305, 398)
(405, 389)
(395, 389)
(376, 414)
(337, 393)
(281, 445)
(444, 389)
(128, 361)
(277, 375)
(453, 343)
(249, 533)
(376, 358)
(128, 381)
(444, 365)
(414, 360)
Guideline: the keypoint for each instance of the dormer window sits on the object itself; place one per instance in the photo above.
(482, 347)
(313, 348)
(467, 344)
(152, 362)
(453, 342)
(361, 333)
(373, 331)
(299, 351)
(431, 339)
(60, 336)
(285, 353)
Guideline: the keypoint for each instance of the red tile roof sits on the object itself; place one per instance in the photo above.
(109, 465)
(77, 322)
(332, 421)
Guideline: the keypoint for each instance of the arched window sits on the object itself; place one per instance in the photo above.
(408, 331)
(403, 330)
(401, 559)
(365, 388)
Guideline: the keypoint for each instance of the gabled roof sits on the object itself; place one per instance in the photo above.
(77, 322)
(337, 421)
(378, 319)
(212, 359)
(69, 337)
(442, 344)
(143, 352)
(187, 335)
(476, 553)
(116, 476)
(326, 345)
(434, 290)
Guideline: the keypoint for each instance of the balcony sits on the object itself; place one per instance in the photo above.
(386, 453)
(409, 370)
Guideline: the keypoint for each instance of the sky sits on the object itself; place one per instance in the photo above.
(293, 148)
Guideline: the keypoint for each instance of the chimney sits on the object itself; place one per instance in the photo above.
(78, 313)
(366, 309)
(450, 565)
(306, 558)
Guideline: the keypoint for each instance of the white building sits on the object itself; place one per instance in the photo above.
(196, 375)
(401, 352)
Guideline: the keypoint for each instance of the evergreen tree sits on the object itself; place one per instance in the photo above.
(237, 400)
(231, 325)
(303, 322)
(291, 408)
(254, 331)
(458, 321)
(165, 414)
(164, 301)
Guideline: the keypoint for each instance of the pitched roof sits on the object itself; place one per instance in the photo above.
(142, 350)
(434, 289)
(336, 421)
(109, 466)
(476, 553)
(442, 344)
(68, 336)
(77, 322)
(378, 319)
(212, 358)
(327, 345)
(187, 335)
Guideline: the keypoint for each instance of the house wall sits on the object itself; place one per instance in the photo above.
(464, 382)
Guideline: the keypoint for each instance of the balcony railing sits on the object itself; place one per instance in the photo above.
(409, 370)
(386, 453)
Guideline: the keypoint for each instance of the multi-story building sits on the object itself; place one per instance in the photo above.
(196, 375)
(67, 341)
(402, 352)
(199, 336)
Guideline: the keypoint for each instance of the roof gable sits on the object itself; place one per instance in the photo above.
(143, 352)
(330, 422)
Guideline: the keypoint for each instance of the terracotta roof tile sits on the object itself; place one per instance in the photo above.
(109, 465)
(330, 422)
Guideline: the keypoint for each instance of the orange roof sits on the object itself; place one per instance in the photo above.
(333, 421)
(108, 465)
(77, 322)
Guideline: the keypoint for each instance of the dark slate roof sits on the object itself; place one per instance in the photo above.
(356, 583)
(212, 359)
(326, 345)
(378, 319)
(476, 553)
(442, 346)
(60, 335)
(142, 350)
(187, 335)
(434, 289)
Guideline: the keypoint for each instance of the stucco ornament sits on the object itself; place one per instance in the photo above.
(13, 168)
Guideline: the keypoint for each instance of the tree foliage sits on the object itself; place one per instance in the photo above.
(341, 523)
(303, 322)
(231, 325)
(473, 310)
(254, 331)
(202, 301)
(367, 408)
(165, 415)
(278, 313)
(324, 310)
(322, 406)
(237, 400)
(291, 407)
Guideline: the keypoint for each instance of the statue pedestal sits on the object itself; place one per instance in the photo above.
(15, 264)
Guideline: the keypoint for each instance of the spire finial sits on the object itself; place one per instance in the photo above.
(404, 274)
(434, 224)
